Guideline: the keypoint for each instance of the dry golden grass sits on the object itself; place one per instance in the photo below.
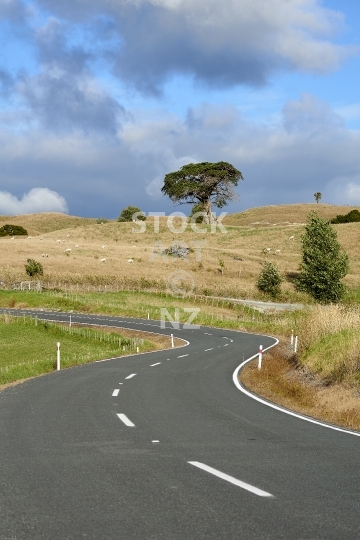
(280, 382)
(45, 222)
(241, 250)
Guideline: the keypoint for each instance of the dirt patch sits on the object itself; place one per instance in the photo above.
(283, 382)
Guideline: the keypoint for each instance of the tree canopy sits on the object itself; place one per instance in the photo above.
(12, 230)
(324, 263)
(205, 183)
(128, 212)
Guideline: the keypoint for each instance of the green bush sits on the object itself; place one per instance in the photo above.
(269, 280)
(128, 212)
(12, 230)
(351, 217)
(34, 268)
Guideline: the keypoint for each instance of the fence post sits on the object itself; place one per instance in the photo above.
(58, 357)
(260, 356)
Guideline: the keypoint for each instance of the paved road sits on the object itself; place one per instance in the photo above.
(164, 446)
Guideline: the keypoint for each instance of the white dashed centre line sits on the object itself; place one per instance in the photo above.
(231, 479)
(116, 392)
(126, 421)
(226, 345)
(183, 356)
(130, 376)
(157, 363)
(209, 349)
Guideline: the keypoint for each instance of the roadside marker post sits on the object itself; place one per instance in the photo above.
(292, 338)
(260, 356)
(172, 341)
(296, 344)
(58, 357)
(70, 322)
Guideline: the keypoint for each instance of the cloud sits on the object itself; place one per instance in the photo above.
(12, 10)
(221, 44)
(64, 95)
(307, 148)
(36, 200)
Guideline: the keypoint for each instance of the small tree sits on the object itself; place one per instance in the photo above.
(317, 196)
(198, 207)
(324, 263)
(269, 280)
(34, 268)
(13, 230)
(128, 212)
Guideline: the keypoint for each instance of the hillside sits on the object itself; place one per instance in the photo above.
(241, 250)
(285, 214)
(45, 222)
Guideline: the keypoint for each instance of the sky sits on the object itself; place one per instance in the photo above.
(100, 99)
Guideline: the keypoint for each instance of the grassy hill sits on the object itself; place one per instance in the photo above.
(45, 222)
(241, 250)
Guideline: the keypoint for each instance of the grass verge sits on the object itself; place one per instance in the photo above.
(29, 346)
(283, 381)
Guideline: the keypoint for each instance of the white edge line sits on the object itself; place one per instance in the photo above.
(125, 419)
(277, 407)
(231, 479)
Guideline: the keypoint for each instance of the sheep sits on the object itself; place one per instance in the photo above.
(68, 236)
(277, 251)
(13, 238)
(41, 237)
(67, 250)
(103, 247)
(58, 241)
(43, 255)
(266, 250)
(130, 260)
(102, 260)
(76, 245)
(29, 237)
(291, 238)
(46, 255)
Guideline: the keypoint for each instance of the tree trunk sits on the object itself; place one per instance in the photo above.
(208, 218)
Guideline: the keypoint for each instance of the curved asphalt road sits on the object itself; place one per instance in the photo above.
(78, 460)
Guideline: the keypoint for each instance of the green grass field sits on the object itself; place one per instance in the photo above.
(28, 346)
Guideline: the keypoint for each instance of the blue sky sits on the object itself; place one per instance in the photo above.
(100, 99)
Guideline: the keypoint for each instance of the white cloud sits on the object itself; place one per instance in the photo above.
(36, 200)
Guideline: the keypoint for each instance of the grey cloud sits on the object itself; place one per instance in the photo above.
(12, 10)
(61, 101)
(100, 177)
(6, 82)
(218, 43)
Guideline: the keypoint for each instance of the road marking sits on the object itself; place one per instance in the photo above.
(130, 376)
(209, 349)
(157, 363)
(116, 392)
(155, 441)
(126, 421)
(183, 355)
(231, 479)
(226, 345)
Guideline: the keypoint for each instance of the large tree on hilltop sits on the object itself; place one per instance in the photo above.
(205, 183)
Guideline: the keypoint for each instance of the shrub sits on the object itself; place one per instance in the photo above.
(12, 230)
(198, 207)
(269, 280)
(101, 220)
(128, 212)
(324, 263)
(351, 217)
(34, 268)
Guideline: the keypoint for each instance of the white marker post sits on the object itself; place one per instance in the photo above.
(148, 316)
(58, 357)
(172, 341)
(292, 338)
(296, 344)
(260, 356)
(70, 322)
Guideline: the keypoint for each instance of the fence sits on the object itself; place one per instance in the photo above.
(27, 286)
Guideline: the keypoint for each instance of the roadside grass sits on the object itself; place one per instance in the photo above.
(295, 388)
(212, 312)
(28, 346)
